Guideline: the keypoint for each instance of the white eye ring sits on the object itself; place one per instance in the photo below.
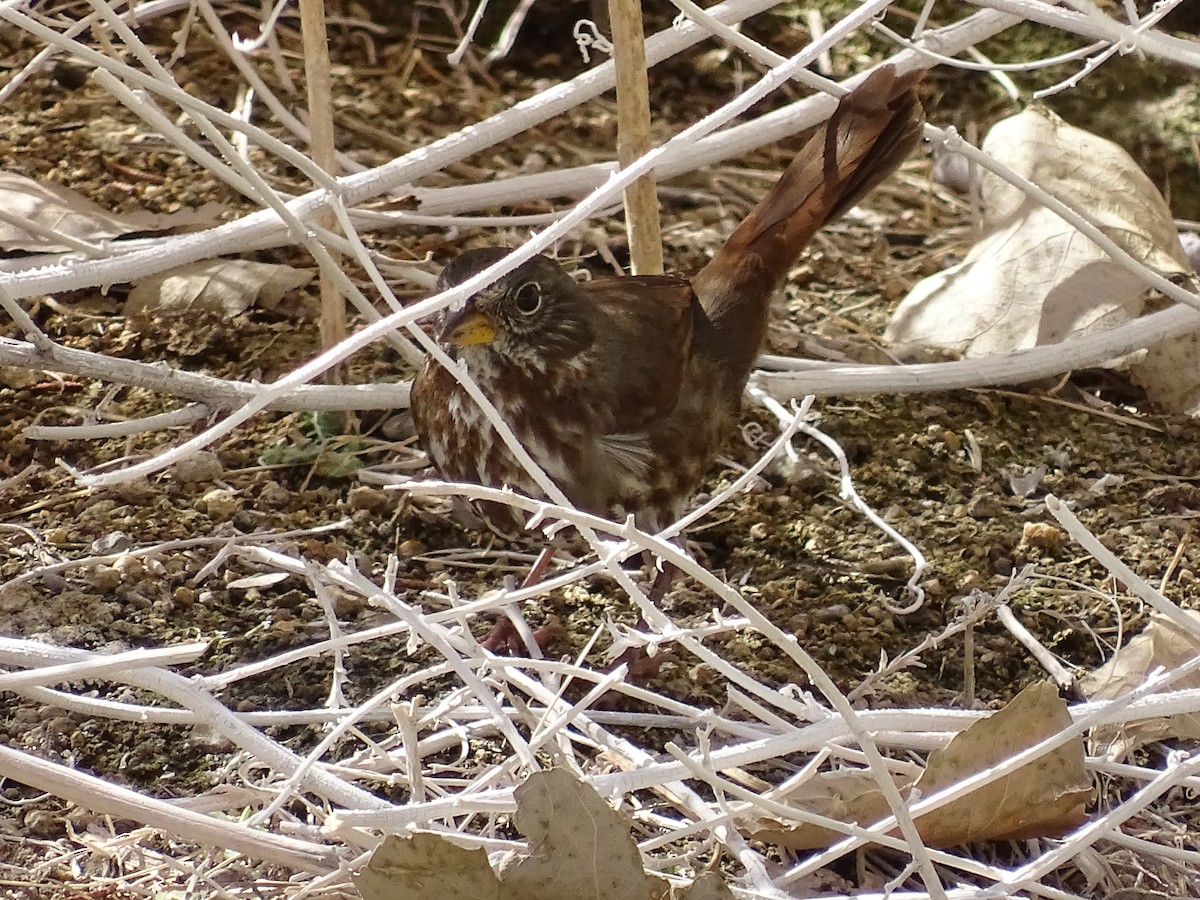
(528, 298)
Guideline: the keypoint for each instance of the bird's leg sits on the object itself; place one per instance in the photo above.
(662, 583)
(504, 636)
(539, 567)
(643, 666)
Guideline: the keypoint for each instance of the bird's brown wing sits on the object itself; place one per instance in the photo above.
(643, 338)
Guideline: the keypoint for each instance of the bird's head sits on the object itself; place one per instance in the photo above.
(535, 312)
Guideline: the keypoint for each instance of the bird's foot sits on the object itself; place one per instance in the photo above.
(642, 666)
(506, 638)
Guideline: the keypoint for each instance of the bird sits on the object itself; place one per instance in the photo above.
(623, 389)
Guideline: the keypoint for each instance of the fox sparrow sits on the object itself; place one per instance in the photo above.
(623, 389)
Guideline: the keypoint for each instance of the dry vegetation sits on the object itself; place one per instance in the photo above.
(269, 541)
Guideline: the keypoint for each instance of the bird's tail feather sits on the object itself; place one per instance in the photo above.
(873, 129)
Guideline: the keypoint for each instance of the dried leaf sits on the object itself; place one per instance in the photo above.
(1162, 643)
(1033, 279)
(579, 845)
(49, 209)
(224, 286)
(1170, 374)
(426, 867)
(847, 795)
(579, 848)
(264, 579)
(709, 886)
(1041, 799)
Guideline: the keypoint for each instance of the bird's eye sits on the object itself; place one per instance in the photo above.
(528, 298)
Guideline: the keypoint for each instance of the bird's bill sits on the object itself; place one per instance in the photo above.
(471, 327)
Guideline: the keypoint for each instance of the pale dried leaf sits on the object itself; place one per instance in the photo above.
(1170, 374)
(846, 795)
(426, 867)
(579, 848)
(1162, 643)
(709, 886)
(1093, 172)
(579, 845)
(1036, 282)
(224, 286)
(1032, 278)
(265, 579)
(47, 209)
(1043, 798)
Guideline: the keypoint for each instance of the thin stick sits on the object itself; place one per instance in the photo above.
(633, 135)
(1061, 675)
(320, 123)
(122, 803)
(968, 691)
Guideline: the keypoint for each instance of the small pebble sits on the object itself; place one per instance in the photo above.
(349, 606)
(57, 536)
(274, 494)
(834, 613)
(202, 466)
(220, 504)
(1043, 536)
(364, 497)
(130, 567)
(42, 823)
(411, 548)
(105, 578)
(984, 508)
(399, 427)
(113, 542)
(97, 509)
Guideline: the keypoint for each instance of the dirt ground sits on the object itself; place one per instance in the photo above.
(809, 561)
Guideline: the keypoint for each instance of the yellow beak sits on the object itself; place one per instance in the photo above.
(473, 328)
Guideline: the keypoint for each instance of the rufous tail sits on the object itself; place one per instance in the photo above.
(873, 129)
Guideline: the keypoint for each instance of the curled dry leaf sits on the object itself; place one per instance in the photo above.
(1043, 798)
(45, 210)
(1032, 278)
(579, 847)
(1165, 644)
(226, 287)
